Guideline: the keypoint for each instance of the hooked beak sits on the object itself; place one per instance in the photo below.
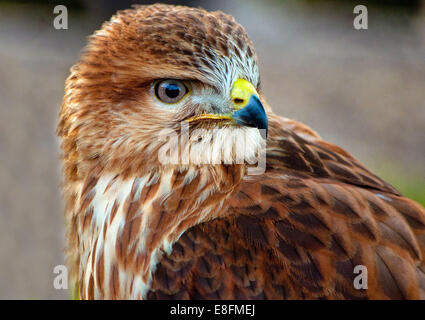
(248, 109)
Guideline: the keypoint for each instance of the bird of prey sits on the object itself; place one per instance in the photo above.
(183, 84)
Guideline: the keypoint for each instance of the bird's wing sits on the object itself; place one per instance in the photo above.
(323, 214)
(299, 230)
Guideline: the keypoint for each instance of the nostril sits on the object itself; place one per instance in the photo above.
(238, 100)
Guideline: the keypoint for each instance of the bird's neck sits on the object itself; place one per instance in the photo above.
(131, 221)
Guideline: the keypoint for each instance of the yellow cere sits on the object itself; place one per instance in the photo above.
(241, 93)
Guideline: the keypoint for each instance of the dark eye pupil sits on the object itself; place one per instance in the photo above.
(172, 90)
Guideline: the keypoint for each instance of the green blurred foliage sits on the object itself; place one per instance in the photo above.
(404, 3)
(409, 184)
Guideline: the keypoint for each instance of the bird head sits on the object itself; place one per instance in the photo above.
(151, 73)
(164, 104)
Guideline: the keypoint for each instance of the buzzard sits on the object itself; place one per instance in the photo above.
(163, 127)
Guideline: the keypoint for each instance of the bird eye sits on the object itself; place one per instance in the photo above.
(170, 91)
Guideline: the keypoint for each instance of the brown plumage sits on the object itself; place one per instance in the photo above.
(139, 228)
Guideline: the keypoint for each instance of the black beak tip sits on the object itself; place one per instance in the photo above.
(252, 115)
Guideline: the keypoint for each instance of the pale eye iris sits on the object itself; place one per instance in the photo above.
(170, 91)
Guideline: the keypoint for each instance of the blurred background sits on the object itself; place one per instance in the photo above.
(363, 90)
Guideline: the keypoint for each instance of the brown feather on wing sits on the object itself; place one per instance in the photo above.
(299, 230)
(330, 214)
